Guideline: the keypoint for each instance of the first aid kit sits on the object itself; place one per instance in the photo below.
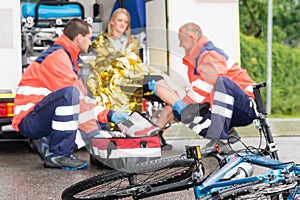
(138, 141)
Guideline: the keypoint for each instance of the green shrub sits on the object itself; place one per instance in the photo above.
(285, 72)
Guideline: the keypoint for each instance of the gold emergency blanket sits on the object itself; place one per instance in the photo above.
(120, 85)
(116, 77)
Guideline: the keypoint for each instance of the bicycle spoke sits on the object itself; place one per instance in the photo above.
(137, 182)
(115, 187)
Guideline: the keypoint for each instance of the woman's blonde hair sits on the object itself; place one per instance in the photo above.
(113, 16)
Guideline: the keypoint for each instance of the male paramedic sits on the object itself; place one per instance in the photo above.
(216, 79)
(52, 100)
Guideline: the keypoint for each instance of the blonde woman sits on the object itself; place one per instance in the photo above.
(118, 64)
(116, 42)
(119, 79)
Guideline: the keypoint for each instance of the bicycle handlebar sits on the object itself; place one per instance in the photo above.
(258, 98)
(259, 85)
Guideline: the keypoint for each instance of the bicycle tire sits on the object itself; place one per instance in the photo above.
(257, 190)
(151, 178)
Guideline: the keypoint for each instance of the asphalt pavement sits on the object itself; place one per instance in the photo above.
(23, 176)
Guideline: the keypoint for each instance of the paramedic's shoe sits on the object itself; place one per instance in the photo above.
(163, 143)
(65, 162)
(166, 147)
(233, 136)
(41, 146)
(224, 149)
(192, 111)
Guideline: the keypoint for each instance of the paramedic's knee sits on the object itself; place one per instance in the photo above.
(225, 84)
(223, 79)
(71, 94)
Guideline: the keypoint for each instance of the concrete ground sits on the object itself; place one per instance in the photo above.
(23, 176)
(279, 127)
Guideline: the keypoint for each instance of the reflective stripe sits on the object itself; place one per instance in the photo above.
(197, 119)
(204, 86)
(53, 159)
(195, 96)
(65, 126)
(199, 127)
(225, 98)
(87, 99)
(99, 109)
(86, 116)
(18, 109)
(125, 153)
(90, 114)
(249, 88)
(27, 90)
(67, 110)
(252, 103)
(230, 62)
(79, 141)
(201, 85)
(219, 110)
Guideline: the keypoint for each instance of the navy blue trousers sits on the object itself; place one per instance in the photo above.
(232, 107)
(40, 121)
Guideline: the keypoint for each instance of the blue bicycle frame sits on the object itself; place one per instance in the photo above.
(213, 183)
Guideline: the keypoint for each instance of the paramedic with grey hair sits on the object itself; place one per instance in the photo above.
(217, 80)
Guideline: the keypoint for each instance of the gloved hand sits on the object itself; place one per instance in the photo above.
(119, 116)
(152, 86)
(179, 106)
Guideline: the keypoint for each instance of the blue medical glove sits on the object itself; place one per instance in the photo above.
(179, 106)
(152, 86)
(119, 116)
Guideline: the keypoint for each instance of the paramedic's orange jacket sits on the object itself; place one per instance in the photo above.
(54, 73)
(205, 63)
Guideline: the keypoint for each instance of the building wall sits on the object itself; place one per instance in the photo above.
(10, 45)
(219, 20)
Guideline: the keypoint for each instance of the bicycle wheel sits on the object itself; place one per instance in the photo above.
(138, 181)
(258, 190)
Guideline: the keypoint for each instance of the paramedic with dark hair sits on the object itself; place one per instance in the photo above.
(52, 100)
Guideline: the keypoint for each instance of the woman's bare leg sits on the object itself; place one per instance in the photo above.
(166, 116)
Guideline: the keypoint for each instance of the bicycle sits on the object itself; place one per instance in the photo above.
(233, 179)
